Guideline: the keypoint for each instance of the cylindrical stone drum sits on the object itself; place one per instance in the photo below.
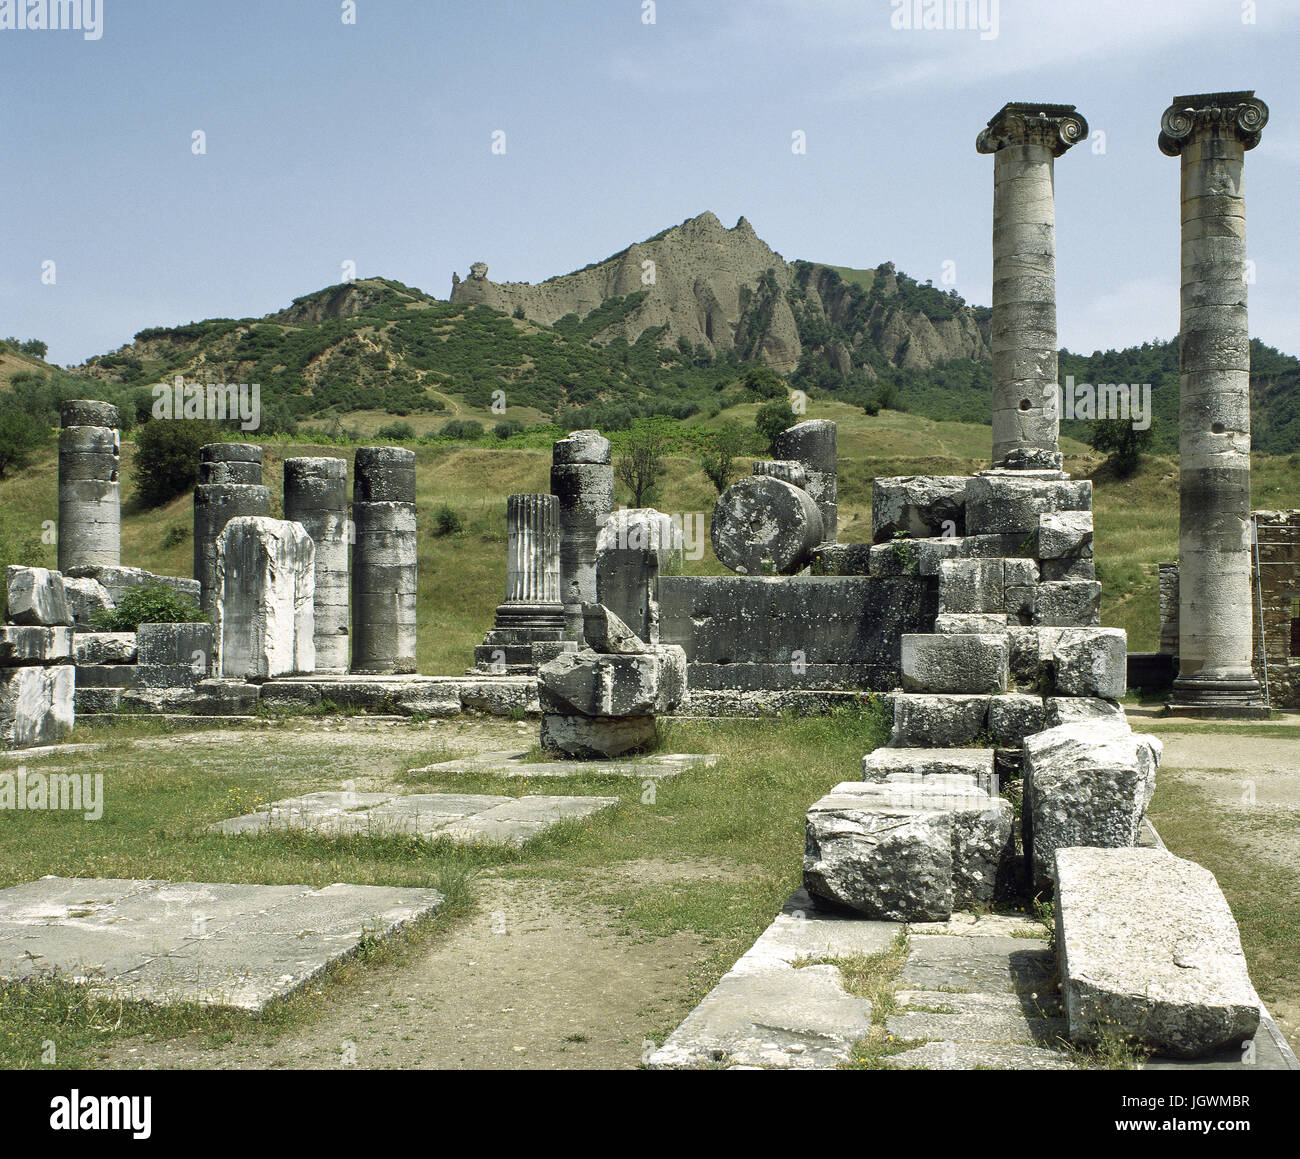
(764, 526)
(813, 443)
(316, 496)
(215, 505)
(90, 515)
(384, 561)
(582, 480)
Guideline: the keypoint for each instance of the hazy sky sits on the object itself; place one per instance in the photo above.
(372, 142)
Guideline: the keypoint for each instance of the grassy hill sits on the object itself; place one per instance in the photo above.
(462, 576)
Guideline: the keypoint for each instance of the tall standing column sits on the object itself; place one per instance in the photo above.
(316, 496)
(1211, 132)
(1025, 140)
(582, 479)
(532, 613)
(90, 493)
(384, 561)
(230, 485)
(813, 443)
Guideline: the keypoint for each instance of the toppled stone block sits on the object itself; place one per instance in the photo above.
(923, 506)
(86, 598)
(1149, 950)
(1092, 662)
(117, 581)
(37, 597)
(1063, 534)
(970, 586)
(1074, 709)
(1009, 503)
(1086, 784)
(633, 548)
(954, 663)
(591, 684)
(907, 852)
(594, 737)
(105, 648)
(194, 645)
(36, 705)
(926, 763)
(1014, 716)
(764, 526)
(1068, 604)
(960, 623)
(266, 581)
(21, 645)
(926, 721)
(607, 634)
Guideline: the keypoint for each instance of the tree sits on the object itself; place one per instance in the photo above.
(763, 382)
(772, 419)
(1119, 439)
(19, 435)
(720, 452)
(34, 347)
(642, 461)
(167, 457)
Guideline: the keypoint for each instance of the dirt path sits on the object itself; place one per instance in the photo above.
(527, 983)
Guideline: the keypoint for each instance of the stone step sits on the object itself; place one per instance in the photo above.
(955, 663)
(884, 763)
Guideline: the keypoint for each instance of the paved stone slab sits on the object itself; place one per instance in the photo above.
(988, 964)
(767, 1012)
(466, 817)
(981, 1056)
(217, 944)
(937, 1015)
(516, 764)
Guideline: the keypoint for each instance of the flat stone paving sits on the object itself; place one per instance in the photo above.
(465, 817)
(516, 764)
(193, 942)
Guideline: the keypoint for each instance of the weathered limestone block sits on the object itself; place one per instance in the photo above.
(607, 634)
(24, 645)
(582, 480)
(1020, 579)
(955, 663)
(1062, 534)
(1033, 654)
(923, 556)
(105, 648)
(215, 505)
(966, 622)
(787, 470)
(1014, 716)
(922, 506)
(266, 579)
(1087, 783)
(117, 581)
(192, 645)
(926, 763)
(1009, 503)
(841, 559)
(37, 597)
(86, 597)
(925, 721)
(763, 526)
(1068, 604)
(632, 550)
(1091, 662)
(594, 737)
(36, 705)
(1075, 709)
(907, 851)
(1076, 568)
(592, 684)
(813, 443)
(1149, 950)
(138, 676)
(971, 587)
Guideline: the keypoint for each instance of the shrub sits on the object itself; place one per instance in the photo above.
(20, 434)
(461, 429)
(773, 418)
(507, 427)
(447, 521)
(167, 457)
(150, 604)
(399, 430)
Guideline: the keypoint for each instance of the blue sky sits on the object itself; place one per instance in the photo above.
(371, 142)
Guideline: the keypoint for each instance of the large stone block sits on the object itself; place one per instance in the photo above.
(1010, 503)
(266, 580)
(36, 705)
(633, 548)
(1015, 716)
(117, 581)
(922, 506)
(1068, 604)
(594, 737)
(1073, 709)
(961, 623)
(922, 557)
(764, 526)
(593, 684)
(971, 587)
(192, 645)
(1149, 950)
(37, 597)
(954, 663)
(925, 763)
(105, 648)
(608, 634)
(1087, 783)
(1091, 662)
(907, 852)
(1062, 534)
(24, 645)
(926, 721)
(86, 597)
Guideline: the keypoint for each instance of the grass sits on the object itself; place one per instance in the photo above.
(746, 813)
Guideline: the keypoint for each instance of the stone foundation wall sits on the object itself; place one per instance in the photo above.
(1279, 580)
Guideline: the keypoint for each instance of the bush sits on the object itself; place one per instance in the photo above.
(167, 457)
(20, 434)
(447, 521)
(150, 604)
(399, 431)
(508, 427)
(461, 429)
(772, 419)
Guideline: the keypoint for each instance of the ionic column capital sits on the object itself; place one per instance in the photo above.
(1242, 115)
(1055, 127)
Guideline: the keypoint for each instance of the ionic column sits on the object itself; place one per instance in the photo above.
(90, 499)
(582, 480)
(1025, 140)
(384, 561)
(533, 554)
(1211, 132)
(316, 496)
(230, 486)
